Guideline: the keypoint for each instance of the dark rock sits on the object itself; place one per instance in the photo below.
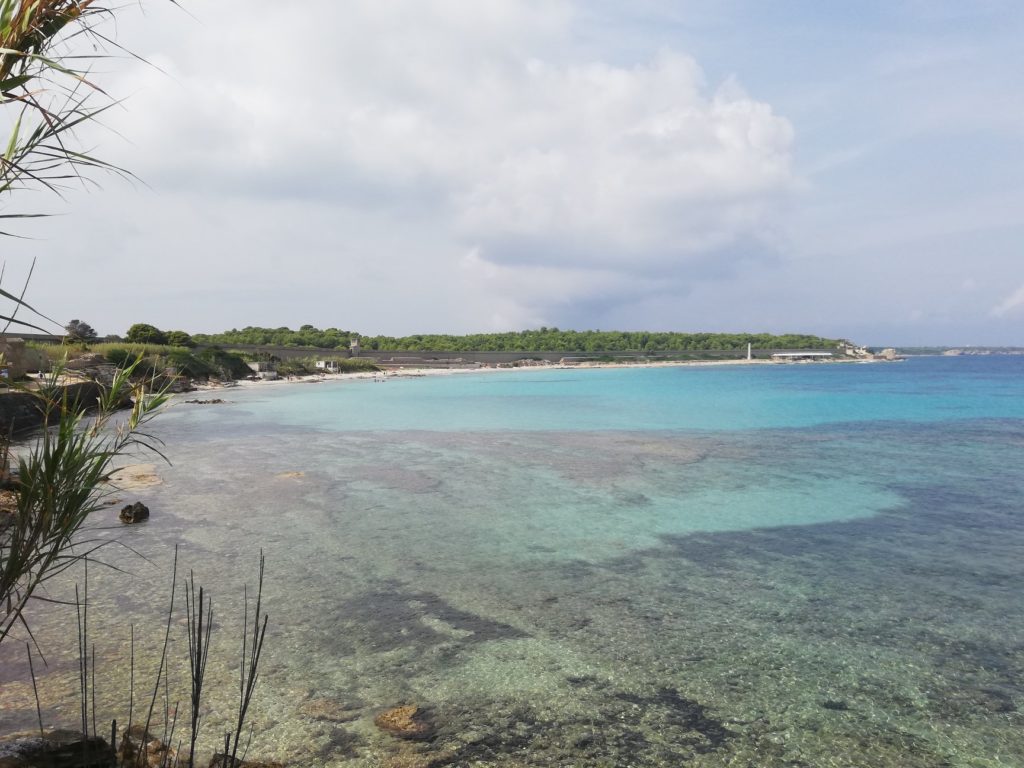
(59, 749)
(134, 513)
(837, 705)
(995, 700)
(341, 743)
(21, 412)
(585, 741)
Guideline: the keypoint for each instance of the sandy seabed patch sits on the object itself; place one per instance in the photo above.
(135, 477)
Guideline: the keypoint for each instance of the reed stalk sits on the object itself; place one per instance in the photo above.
(249, 666)
(163, 657)
(198, 650)
(35, 689)
(83, 668)
(131, 684)
(95, 732)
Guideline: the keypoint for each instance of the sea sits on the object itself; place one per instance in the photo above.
(798, 565)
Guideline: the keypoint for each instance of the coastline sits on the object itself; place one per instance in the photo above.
(411, 371)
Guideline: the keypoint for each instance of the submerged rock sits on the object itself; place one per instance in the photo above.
(57, 749)
(405, 722)
(329, 710)
(135, 477)
(134, 513)
(220, 760)
(836, 705)
(139, 746)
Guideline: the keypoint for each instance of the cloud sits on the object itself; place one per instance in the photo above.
(334, 163)
(475, 123)
(616, 167)
(1011, 305)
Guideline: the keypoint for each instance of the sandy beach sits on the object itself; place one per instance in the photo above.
(410, 371)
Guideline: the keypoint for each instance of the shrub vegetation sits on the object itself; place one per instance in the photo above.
(540, 340)
(143, 333)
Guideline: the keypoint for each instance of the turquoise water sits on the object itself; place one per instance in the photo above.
(710, 398)
(757, 566)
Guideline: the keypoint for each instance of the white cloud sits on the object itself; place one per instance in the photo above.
(611, 167)
(1011, 305)
(473, 120)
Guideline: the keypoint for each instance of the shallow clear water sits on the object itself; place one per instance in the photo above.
(770, 566)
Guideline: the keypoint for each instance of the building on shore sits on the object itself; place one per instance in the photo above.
(263, 370)
(785, 357)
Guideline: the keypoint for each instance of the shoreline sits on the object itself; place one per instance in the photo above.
(411, 371)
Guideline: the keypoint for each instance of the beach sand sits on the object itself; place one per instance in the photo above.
(406, 371)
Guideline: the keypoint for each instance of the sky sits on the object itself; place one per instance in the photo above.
(854, 170)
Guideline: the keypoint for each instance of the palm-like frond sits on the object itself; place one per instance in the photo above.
(45, 94)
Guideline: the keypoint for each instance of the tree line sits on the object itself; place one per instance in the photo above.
(539, 340)
(306, 336)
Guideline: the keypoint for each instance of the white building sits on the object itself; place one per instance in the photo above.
(263, 370)
(790, 356)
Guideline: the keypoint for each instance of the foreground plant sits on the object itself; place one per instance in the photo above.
(150, 743)
(61, 482)
(45, 94)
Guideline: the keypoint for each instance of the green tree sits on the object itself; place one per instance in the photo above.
(80, 331)
(179, 339)
(143, 333)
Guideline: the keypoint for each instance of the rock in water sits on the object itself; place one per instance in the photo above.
(407, 722)
(220, 761)
(329, 710)
(59, 749)
(139, 747)
(134, 513)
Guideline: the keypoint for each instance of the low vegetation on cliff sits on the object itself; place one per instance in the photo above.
(540, 340)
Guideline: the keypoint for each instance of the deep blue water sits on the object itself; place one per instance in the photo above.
(801, 565)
